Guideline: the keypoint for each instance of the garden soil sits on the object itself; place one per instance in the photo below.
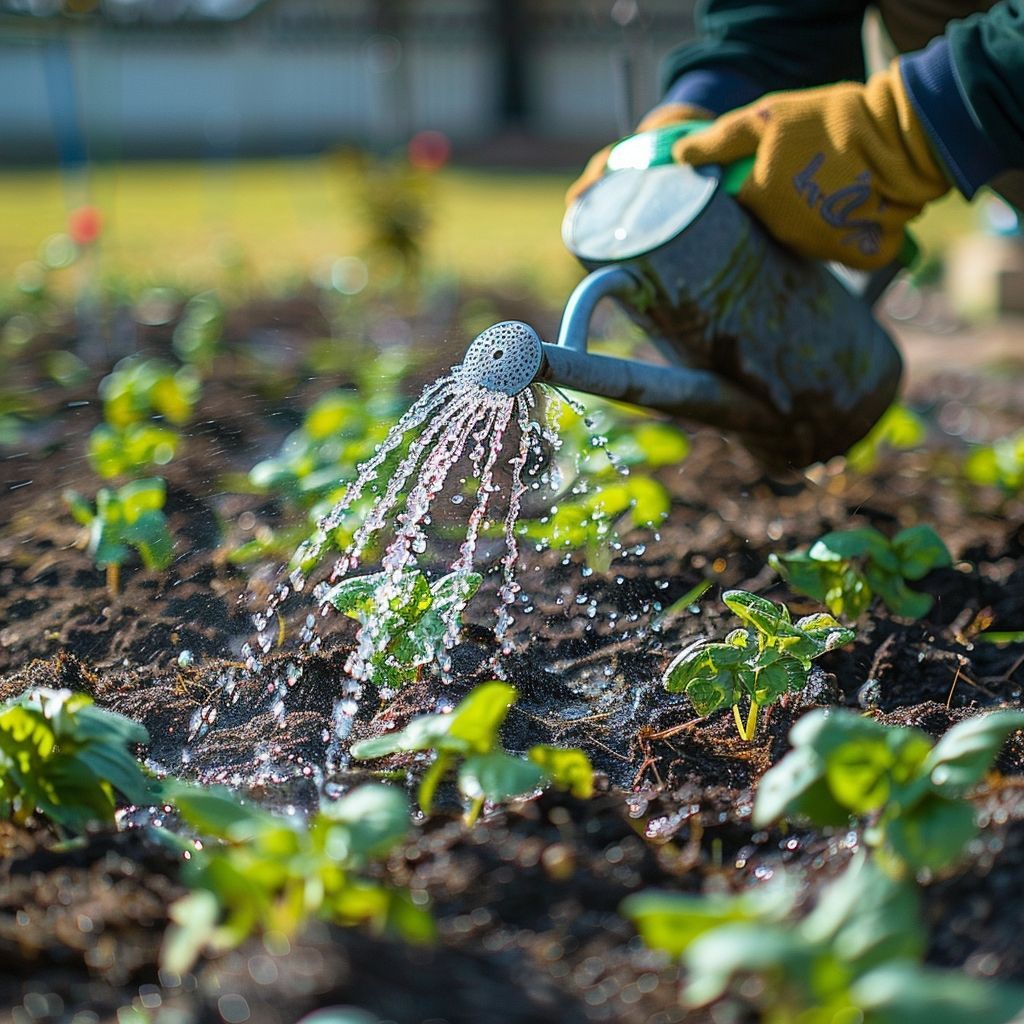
(526, 900)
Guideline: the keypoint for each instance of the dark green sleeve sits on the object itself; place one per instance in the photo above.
(987, 52)
(780, 45)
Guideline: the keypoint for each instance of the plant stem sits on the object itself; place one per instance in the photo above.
(474, 811)
(752, 720)
(739, 721)
(114, 579)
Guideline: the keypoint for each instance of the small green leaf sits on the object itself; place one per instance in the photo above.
(898, 597)
(920, 550)
(478, 717)
(376, 817)
(193, 925)
(765, 616)
(964, 754)
(80, 509)
(497, 776)
(931, 834)
(425, 732)
(213, 810)
(149, 536)
(907, 993)
(568, 769)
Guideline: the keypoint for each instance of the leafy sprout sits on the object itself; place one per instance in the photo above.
(846, 569)
(67, 760)
(138, 388)
(260, 872)
(766, 657)
(855, 957)
(406, 621)
(129, 518)
(134, 448)
(910, 790)
(899, 428)
(1000, 464)
(468, 738)
(603, 494)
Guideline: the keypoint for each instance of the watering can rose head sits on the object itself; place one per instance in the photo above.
(504, 358)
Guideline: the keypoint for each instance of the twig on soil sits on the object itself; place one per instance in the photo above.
(645, 737)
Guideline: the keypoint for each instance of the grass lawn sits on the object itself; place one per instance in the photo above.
(191, 223)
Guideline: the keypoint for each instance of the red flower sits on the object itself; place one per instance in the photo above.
(429, 151)
(84, 225)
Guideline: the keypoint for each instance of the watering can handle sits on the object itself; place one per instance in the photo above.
(654, 148)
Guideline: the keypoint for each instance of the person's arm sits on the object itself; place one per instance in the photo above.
(746, 49)
(968, 90)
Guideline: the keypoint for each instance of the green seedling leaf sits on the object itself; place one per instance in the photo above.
(709, 673)
(932, 836)
(920, 550)
(864, 542)
(425, 732)
(149, 536)
(213, 810)
(898, 597)
(672, 922)
(765, 616)
(366, 822)
(796, 787)
(907, 993)
(498, 776)
(80, 509)
(868, 917)
(723, 954)
(568, 769)
(193, 926)
(479, 716)
(964, 754)
(63, 758)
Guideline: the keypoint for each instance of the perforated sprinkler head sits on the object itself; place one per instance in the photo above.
(505, 357)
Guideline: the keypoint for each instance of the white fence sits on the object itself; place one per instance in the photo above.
(303, 74)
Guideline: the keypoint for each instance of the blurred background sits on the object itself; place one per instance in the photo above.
(252, 144)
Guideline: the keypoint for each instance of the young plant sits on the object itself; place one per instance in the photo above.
(855, 957)
(899, 428)
(259, 872)
(65, 759)
(910, 790)
(468, 738)
(405, 621)
(132, 449)
(602, 495)
(130, 517)
(1000, 464)
(847, 568)
(138, 388)
(766, 657)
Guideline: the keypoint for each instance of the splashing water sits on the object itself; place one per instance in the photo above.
(454, 419)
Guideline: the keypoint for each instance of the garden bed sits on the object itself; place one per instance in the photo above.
(526, 901)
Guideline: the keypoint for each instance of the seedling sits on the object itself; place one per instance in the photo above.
(259, 872)
(63, 758)
(468, 738)
(910, 790)
(125, 451)
(1000, 464)
(406, 620)
(198, 335)
(138, 388)
(766, 657)
(130, 517)
(603, 496)
(899, 428)
(856, 956)
(846, 569)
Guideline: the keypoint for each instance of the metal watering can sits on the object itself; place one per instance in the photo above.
(780, 350)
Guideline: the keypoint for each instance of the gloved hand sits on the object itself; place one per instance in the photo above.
(660, 117)
(838, 170)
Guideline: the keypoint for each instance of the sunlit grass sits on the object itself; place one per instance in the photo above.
(191, 223)
(271, 222)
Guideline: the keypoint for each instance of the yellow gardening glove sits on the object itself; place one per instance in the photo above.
(838, 170)
(669, 113)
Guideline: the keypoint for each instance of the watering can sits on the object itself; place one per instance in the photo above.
(782, 351)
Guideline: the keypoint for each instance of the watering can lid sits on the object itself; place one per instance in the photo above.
(633, 211)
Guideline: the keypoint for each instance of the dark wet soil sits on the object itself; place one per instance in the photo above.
(526, 900)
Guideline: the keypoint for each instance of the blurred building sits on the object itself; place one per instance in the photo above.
(128, 78)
